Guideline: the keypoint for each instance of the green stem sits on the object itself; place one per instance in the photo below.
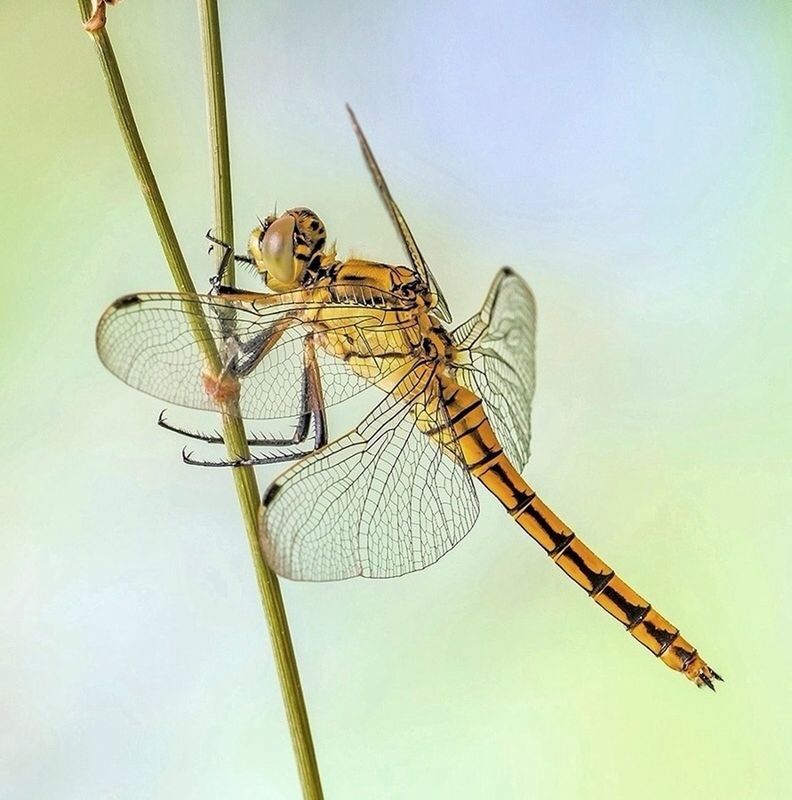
(245, 480)
(218, 124)
(138, 157)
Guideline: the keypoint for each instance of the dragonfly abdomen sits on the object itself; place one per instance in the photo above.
(488, 463)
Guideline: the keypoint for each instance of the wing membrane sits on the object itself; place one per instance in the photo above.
(500, 342)
(384, 500)
(149, 342)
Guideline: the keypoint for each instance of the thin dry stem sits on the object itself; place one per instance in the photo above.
(244, 478)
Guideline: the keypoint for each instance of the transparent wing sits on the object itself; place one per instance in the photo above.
(384, 500)
(497, 361)
(410, 245)
(149, 342)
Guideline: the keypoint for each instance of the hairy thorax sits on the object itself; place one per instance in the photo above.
(388, 329)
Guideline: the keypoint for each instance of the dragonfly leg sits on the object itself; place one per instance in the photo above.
(216, 281)
(250, 461)
(216, 438)
(313, 409)
(209, 438)
(313, 393)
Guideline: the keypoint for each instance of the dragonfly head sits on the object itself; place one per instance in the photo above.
(283, 247)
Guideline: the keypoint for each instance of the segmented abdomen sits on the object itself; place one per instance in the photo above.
(484, 457)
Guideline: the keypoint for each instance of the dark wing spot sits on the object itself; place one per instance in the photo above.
(269, 495)
(127, 300)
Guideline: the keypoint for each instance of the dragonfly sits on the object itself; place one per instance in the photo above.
(397, 492)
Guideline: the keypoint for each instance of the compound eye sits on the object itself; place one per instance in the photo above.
(277, 249)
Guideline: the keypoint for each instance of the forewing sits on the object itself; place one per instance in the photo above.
(501, 341)
(384, 500)
(151, 342)
(410, 245)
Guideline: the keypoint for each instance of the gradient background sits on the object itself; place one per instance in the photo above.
(633, 162)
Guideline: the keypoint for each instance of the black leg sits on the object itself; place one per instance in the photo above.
(209, 438)
(216, 281)
(313, 408)
(216, 438)
(251, 461)
(313, 393)
(298, 437)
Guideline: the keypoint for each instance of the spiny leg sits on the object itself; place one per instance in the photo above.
(246, 357)
(216, 281)
(299, 436)
(209, 438)
(313, 408)
(251, 461)
(244, 362)
(314, 393)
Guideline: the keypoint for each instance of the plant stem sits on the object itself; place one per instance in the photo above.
(218, 125)
(245, 480)
(138, 157)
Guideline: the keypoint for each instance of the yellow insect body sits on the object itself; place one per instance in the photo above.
(396, 493)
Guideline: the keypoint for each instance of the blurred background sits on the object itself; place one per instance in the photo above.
(633, 162)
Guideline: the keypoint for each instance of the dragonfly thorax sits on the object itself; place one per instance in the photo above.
(283, 248)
